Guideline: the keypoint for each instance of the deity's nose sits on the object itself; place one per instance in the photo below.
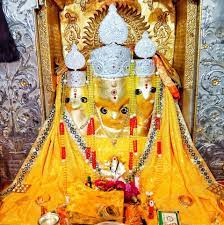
(114, 115)
(76, 104)
(146, 92)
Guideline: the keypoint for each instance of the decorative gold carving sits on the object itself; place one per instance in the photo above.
(185, 54)
(185, 45)
(162, 32)
(49, 50)
(162, 28)
(191, 48)
(82, 4)
(21, 188)
(72, 31)
(82, 17)
(132, 17)
(137, 15)
(217, 189)
(45, 66)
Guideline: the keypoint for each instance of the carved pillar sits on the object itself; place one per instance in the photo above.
(49, 49)
(185, 54)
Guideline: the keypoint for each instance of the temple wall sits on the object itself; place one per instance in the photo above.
(209, 110)
(20, 108)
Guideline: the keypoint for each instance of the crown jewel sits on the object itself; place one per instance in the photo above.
(74, 59)
(76, 79)
(113, 28)
(145, 48)
(112, 60)
(144, 67)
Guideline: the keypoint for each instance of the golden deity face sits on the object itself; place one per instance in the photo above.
(145, 94)
(111, 101)
(76, 102)
(76, 98)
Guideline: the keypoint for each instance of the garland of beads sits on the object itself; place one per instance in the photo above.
(90, 150)
(158, 117)
(62, 139)
(133, 145)
(151, 136)
(193, 154)
(77, 137)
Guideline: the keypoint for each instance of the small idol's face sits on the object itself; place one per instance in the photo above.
(76, 99)
(145, 95)
(111, 100)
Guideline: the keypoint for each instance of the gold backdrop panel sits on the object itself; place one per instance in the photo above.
(49, 51)
(80, 21)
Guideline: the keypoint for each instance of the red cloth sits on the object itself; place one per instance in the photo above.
(130, 190)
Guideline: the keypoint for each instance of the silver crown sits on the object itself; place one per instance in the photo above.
(113, 28)
(76, 79)
(144, 67)
(145, 49)
(75, 60)
(112, 60)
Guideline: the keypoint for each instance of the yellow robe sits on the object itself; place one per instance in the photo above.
(168, 177)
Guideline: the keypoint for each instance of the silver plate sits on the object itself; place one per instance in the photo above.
(49, 219)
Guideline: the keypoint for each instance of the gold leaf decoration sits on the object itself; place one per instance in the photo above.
(132, 17)
(72, 31)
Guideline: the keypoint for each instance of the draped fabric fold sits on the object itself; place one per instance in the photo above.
(173, 175)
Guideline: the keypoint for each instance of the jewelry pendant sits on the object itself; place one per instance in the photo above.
(114, 141)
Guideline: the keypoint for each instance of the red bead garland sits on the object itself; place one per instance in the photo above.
(131, 156)
(91, 132)
(133, 124)
(157, 122)
(91, 127)
(63, 153)
(88, 153)
(94, 159)
(135, 146)
(62, 132)
(62, 128)
(159, 147)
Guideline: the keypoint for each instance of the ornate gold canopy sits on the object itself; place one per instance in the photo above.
(172, 26)
(80, 22)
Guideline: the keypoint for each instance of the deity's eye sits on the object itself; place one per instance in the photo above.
(83, 99)
(124, 110)
(103, 110)
(67, 100)
(153, 89)
(138, 91)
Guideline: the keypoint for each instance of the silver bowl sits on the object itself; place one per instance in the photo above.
(49, 219)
